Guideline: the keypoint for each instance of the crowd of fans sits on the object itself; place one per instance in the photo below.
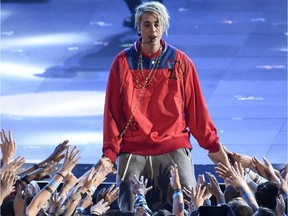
(252, 187)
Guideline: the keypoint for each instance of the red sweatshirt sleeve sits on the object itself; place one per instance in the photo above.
(196, 112)
(112, 113)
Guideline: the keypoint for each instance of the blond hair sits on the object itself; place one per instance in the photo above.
(156, 8)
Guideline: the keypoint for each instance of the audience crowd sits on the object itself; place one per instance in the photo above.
(252, 187)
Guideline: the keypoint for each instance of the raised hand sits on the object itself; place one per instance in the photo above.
(19, 203)
(270, 171)
(189, 203)
(280, 205)
(201, 181)
(8, 147)
(14, 165)
(99, 177)
(7, 184)
(99, 208)
(178, 200)
(41, 173)
(73, 195)
(174, 177)
(59, 152)
(265, 169)
(283, 186)
(284, 172)
(85, 202)
(214, 188)
(237, 178)
(17, 163)
(93, 179)
(56, 202)
(223, 171)
(69, 181)
(109, 195)
(71, 159)
(197, 195)
(245, 160)
(139, 186)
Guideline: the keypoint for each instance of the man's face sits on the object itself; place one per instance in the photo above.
(150, 28)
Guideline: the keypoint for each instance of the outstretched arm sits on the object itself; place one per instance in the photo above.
(139, 188)
(214, 188)
(178, 202)
(237, 180)
(57, 155)
(69, 163)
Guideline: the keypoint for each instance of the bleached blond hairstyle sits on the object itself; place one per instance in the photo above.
(153, 7)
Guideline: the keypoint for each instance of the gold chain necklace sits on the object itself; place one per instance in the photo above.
(147, 81)
(151, 75)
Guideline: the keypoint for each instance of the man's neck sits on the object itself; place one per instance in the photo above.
(150, 49)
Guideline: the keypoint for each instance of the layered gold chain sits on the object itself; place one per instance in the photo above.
(151, 75)
(147, 81)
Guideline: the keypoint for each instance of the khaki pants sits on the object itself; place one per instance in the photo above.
(157, 170)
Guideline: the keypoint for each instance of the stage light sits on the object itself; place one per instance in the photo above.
(54, 104)
(45, 40)
(20, 70)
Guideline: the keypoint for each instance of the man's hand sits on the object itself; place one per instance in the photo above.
(105, 163)
(220, 156)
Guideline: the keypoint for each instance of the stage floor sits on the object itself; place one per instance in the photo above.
(56, 56)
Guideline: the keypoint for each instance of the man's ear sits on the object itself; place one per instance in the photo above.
(138, 31)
